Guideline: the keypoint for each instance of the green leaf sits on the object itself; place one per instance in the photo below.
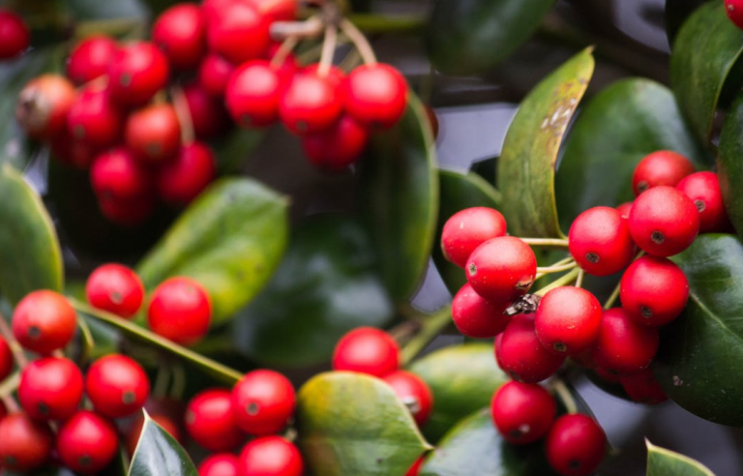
(619, 126)
(459, 191)
(399, 199)
(30, 257)
(159, 453)
(663, 462)
(230, 240)
(463, 379)
(677, 11)
(704, 55)
(325, 286)
(354, 424)
(471, 36)
(701, 351)
(730, 162)
(526, 167)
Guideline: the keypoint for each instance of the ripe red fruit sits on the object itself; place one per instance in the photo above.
(94, 119)
(185, 177)
(214, 74)
(467, 229)
(44, 321)
(51, 388)
(270, 456)
(138, 70)
(642, 387)
(376, 95)
(117, 386)
(703, 188)
(289, 67)
(116, 289)
(501, 269)
(654, 290)
(599, 240)
(368, 351)
(210, 420)
(153, 133)
(575, 445)
(90, 58)
(43, 105)
(14, 35)
(476, 317)
(734, 9)
(180, 310)
(238, 32)
(87, 442)
(623, 347)
(276, 10)
(663, 221)
(413, 392)
(25, 444)
(624, 209)
(521, 355)
(336, 148)
(522, 412)
(208, 116)
(126, 212)
(254, 93)
(311, 103)
(116, 174)
(263, 402)
(221, 464)
(6, 360)
(567, 320)
(415, 469)
(664, 167)
(181, 33)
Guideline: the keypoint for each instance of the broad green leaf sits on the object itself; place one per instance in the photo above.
(663, 462)
(354, 424)
(619, 126)
(159, 453)
(230, 240)
(30, 257)
(677, 11)
(463, 379)
(700, 352)
(325, 286)
(705, 52)
(471, 36)
(399, 199)
(527, 164)
(459, 191)
(730, 162)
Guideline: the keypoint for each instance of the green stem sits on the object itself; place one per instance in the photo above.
(562, 391)
(113, 26)
(557, 268)
(562, 281)
(545, 242)
(613, 298)
(430, 328)
(372, 23)
(88, 341)
(579, 279)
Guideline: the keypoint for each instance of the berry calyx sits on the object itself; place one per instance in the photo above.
(413, 392)
(25, 444)
(210, 420)
(238, 32)
(44, 321)
(87, 442)
(522, 412)
(467, 229)
(599, 241)
(263, 402)
(43, 105)
(567, 320)
(270, 456)
(477, 317)
(117, 175)
(254, 93)
(664, 167)
(575, 446)
(654, 290)
(187, 175)
(51, 388)
(703, 188)
(138, 70)
(501, 269)
(14, 34)
(623, 347)
(520, 354)
(335, 149)
(115, 288)
(180, 31)
(376, 95)
(368, 351)
(221, 464)
(90, 58)
(180, 310)
(94, 119)
(310, 103)
(153, 133)
(117, 386)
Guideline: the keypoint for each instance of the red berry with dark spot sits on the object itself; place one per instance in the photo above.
(214, 74)
(368, 351)
(467, 229)
(600, 241)
(51, 388)
(43, 105)
(185, 177)
(94, 119)
(153, 133)
(502, 268)
(624, 209)
(520, 354)
(623, 347)
(568, 320)
(654, 290)
(642, 387)
(180, 310)
(734, 9)
(208, 115)
(310, 103)
(253, 94)
(90, 58)
(338, 147)
(44, 321)
(6, 360)
(270, 456)
(25, 444)
(664, 167)
(220, 464)
(663, 221)
(138, 71)
(413, 392)
(87, 442)
(376, 95)
(14, 35)
(115, 288)
(476, 317)
(181, 33)
(703, 188)
(238, 32)
(263, 402)
(210, 421)
(116, 174)
(575, 445)
(117, 386)
(522, 412)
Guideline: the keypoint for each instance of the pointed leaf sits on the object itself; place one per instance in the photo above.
(159, 453)
(663, 462)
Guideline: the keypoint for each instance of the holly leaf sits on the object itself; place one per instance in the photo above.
(729, 163)
(527, 164)
(351, 423)
(159, 453)
(663, 462)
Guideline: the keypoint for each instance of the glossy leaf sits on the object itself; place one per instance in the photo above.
(527, 164)
(354, 424)
(471, 36)
(663, 462)
(677, 11)
(463, 379)
(325, 286)
(730, 163)
(619, 126)
(399, 199)
(159, 453)
(30, 257)
(230, 240)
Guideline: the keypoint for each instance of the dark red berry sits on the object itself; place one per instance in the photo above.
(208, 115)
(117, 386)
(311, 103)
(44, 321)
(254, 93)
(734, 9)
(238, 32)
(642, 387)
(476, 317)
(501, 269)
(181, 33)
(575, 445)
(126, 212)
(43, 105)
(376, 95)
(94, 119)
(116, 289)
(116, 174)
(270, 456)
(289, 67)
(153, 133)
(368, 351)
(220, 464)
(623, 347)
(464, 231)
(14, 35)
(210, 421)
(25, 444)
(87, 442)
(567, 320)
(654, 290)
(413, 392)
(703, 188)
(522, 412)
(51, 388)
(138, 71)
(6, 360)
(71, 151)
(180, 310)
(520, 354)
(338, 147)
(214, 74)
(90, 58)
(600, 241)
(187, 175)
(664, 167)
(263, 402)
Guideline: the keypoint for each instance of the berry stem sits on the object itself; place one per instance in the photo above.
(563, 392)
(10, 384)
(184, 116)
(178, 386)
(556, 268)
(11, 404)
(545, 242)
(613, 298)
(328, 50)
(111, 26)
(562, 281)
(15, 347)
(360, 41)
(163, 377)
(579, 279)
(310, 28)
(88, 342)
(372, 23)
(430, 327)
(286, 47)
(351, 60)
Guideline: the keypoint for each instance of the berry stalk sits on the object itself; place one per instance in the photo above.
(431, 327)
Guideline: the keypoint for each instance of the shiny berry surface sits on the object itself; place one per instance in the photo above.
(413, 392)
(654, 290)
(214, 74)
(734, 10)
(664, 167)
(87, 443)
(600, 242)
(254, 93)
(220, 464)
(238, 32)
(6, 360)
(153, 133)
(25, 444)
(376, 95)
(180, 31)
(464, 231)
(117, 386)
(44, 321)
(187, 175)
(522, 412)
(643, 387)
(180, 310)
(520, 354)
(94, 119)
(335, 149)
(703, 188)
(367, 350)
(51, 388)
(502, 268)
(310, 104)
(138, 71)
(568, 319)
(270, 456)
(210, 421)
(115, 288)
(14, 34)
(575, 445)
(117, 174)
(623, 347)
(90, 58)
(477, 317)
(263, 402)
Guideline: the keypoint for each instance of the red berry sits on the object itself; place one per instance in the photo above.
(44, 321)
(270, 456)
(238, 32)
(180, 310)
(568, 320)
(181, 33)
(734, 9)
(368, 351)
(413, 392)
(25, 444)
(126, 212)
(521, 355)
(464, 231)
(338, 147)
(220, 464)
(376, 95)
(116, 289)
(608, 376)
(654, 290)
(116, 174)
(664, 167)
(642, 387)
(43, 105)
(476, 317)
(210, 420)
(575, 445)
(214, 74)
(415, 469)
(87, 442)
(6, 361)
(335, 76)
(254, 93)
(14, 34)
(90, 58)
(276, 10)
(522, 412)
(153, 133)
(663, 221)
(311, 103)
(263, 402)
(208, 115)
(289, 67)
(117, 386)
(51, 388)
(624, 209)
(94, 119)
(138, 71)
(600, 241)
(703, 188)
(623, 347)
(502, 268)
(184, 178)
(3, 410)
